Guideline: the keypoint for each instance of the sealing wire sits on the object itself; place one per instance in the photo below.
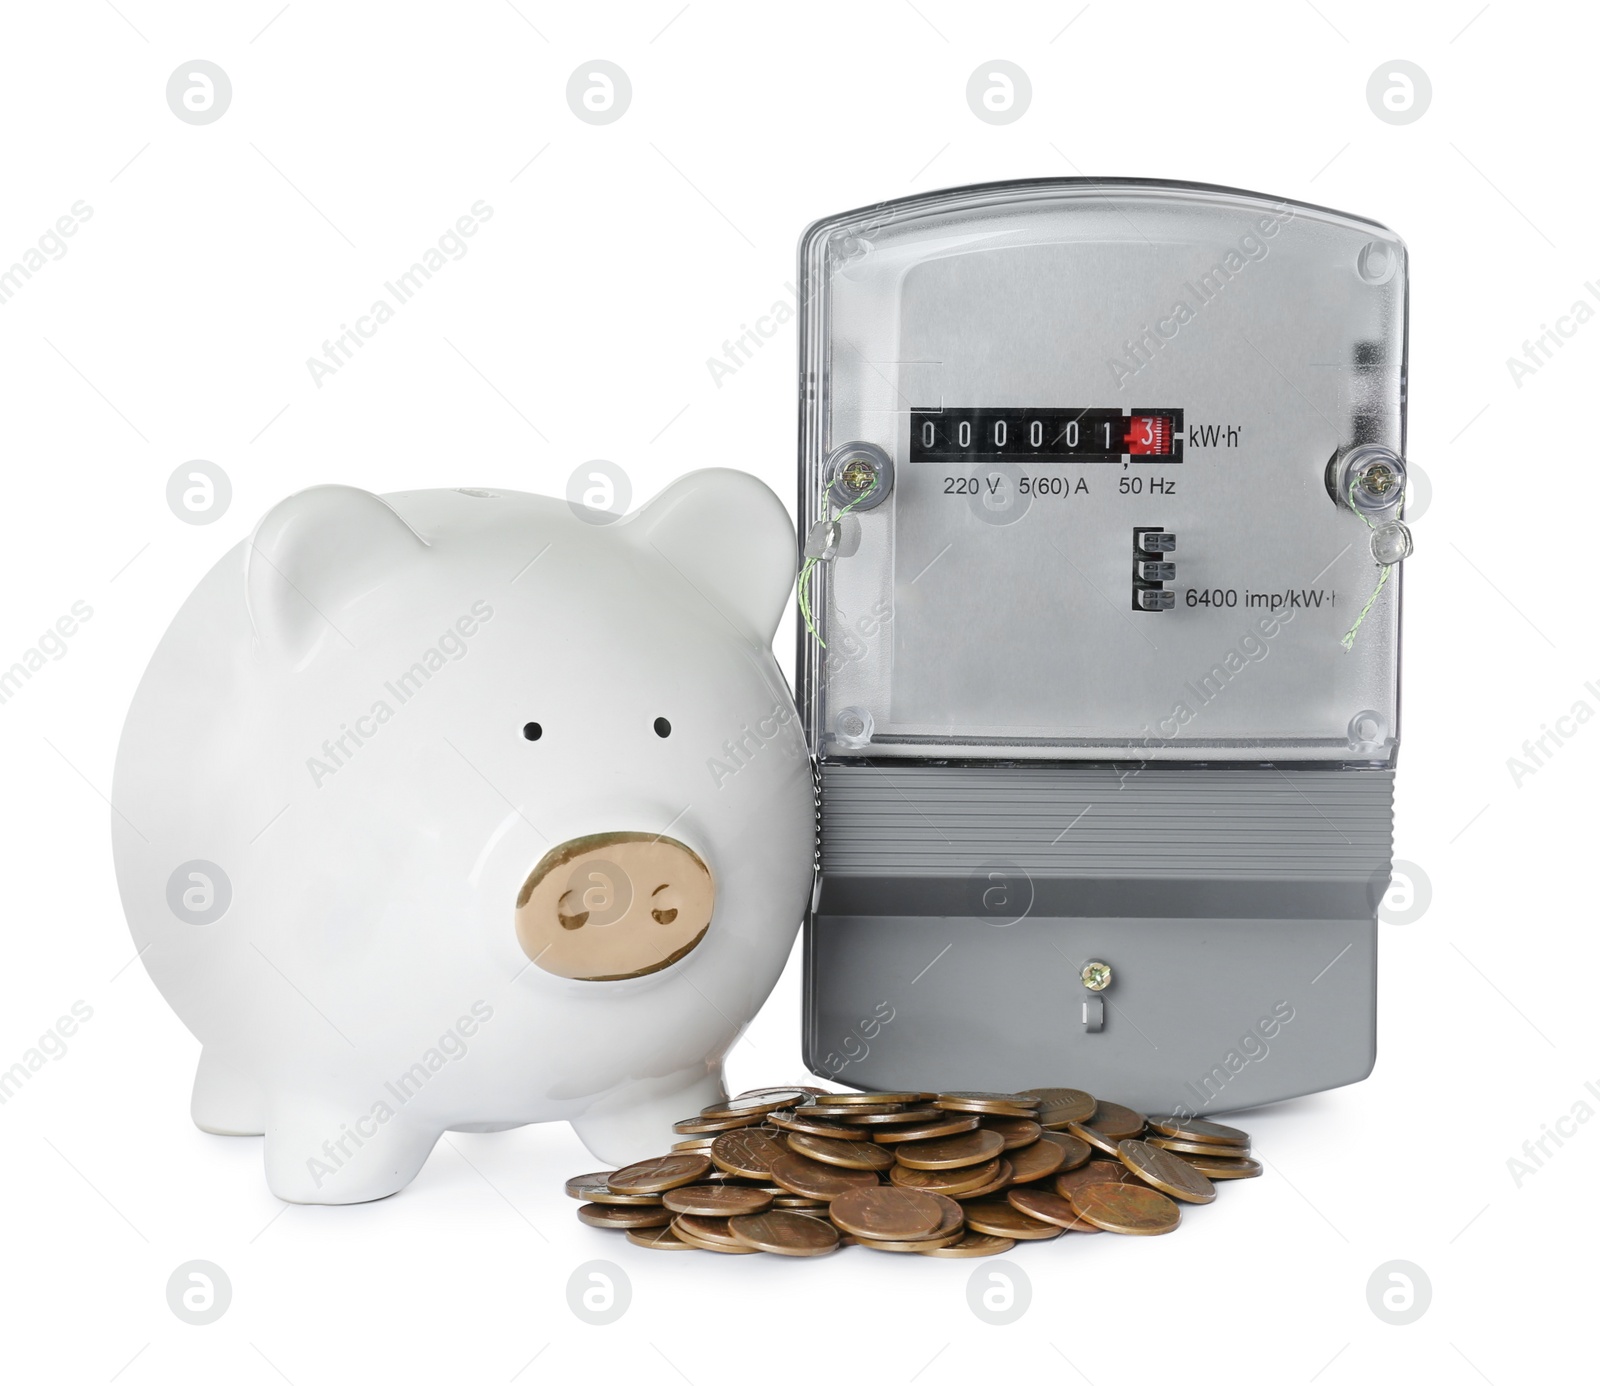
(1349, 638)
(803, 583)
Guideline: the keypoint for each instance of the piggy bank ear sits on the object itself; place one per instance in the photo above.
(312, 557)
(731, 540)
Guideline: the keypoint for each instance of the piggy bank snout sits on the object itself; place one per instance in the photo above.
(614, 905)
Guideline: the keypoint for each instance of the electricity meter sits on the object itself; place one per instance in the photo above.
(1102, 482)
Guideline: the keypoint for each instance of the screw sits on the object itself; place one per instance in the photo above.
(859, 475)
(1378, 479)
(1096, 975)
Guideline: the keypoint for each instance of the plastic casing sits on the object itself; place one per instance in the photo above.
(969, 636)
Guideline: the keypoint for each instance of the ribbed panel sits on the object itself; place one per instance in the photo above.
(1089, 822)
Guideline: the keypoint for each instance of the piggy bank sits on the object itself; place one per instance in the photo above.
(459, 810)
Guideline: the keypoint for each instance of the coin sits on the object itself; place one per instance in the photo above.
(804, 1121)
(799, 1203)
(703, 1143)
(659, 1239)
(1213, 1168)
(948, 1124)
(593, 1188)
(1194, 1129)
(786, 1087)
(951, 1152)
(785, 1234)
(748, 1153)
(754, 1104)
(608, 1215)
(1226, 1152)
(1058, 1106)
(1001, 1179)
(852, 1099)
(1077, 1151)
(952, 1182)
(1035, 1161)
(810, 1178)
(717, 1200)
(709, 1234)
(904, 1116)
(1015, 1131)
(1047, 1207)
(1119, 1122)
(658, 1175)
(951, 1228)
(1135, 1210)
(850, 1154)
(1095, 1172)
(888, 1213)
(838, 1112)
(999, 1219)
(700, 1126)
(1170, 1173)
(991, 1103)
(971, 1245)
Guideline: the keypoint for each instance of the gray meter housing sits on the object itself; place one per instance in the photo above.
(1103, 685)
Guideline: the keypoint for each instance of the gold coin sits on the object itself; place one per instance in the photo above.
(870, 1099)
(709, 1234)
(1163, 1170)
(1135, 1210)
(753, 1104)
(593, 1188)
(748, 1153)
(948, 1124)
(951, 1152)
(1047, 1207)
(850, 1154)
(887, 1213)
(1213, 1168)
(1015, 1131)
(972, 1244)
(1095, 1172)
(717, 1200)
(809, 1178)
(951, 1229)
(785, 1234)
(951, 1182)
(1001, 1180)
(701, 1126)
(1225, 1152)
(659, 1239)
(1194, 1129)
(1077, 1151)
(608, 1215)
(904, 1116)
(1058, 1106)
(801, 1120)
(1036, 1161)
(999, 1219)
(658, 1175)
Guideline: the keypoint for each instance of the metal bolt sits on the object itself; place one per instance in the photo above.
(1379, 479)
(1096, 975)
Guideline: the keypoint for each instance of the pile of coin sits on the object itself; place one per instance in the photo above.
(798, 1171)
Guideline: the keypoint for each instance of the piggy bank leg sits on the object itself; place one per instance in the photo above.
(635, 1122)
(325, 1150)
(225, 1101)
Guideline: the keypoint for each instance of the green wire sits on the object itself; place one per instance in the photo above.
(1349, 638)
(802, 584)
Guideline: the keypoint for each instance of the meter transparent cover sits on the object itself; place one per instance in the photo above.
(1080, 438)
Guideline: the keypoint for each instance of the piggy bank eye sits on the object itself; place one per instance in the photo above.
(533, 731)
(663, 727)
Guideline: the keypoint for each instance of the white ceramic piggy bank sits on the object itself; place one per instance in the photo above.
(458, 810)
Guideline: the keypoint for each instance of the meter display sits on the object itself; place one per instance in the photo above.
(1100, 662)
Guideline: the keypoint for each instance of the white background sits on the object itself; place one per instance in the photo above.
(177, 327)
